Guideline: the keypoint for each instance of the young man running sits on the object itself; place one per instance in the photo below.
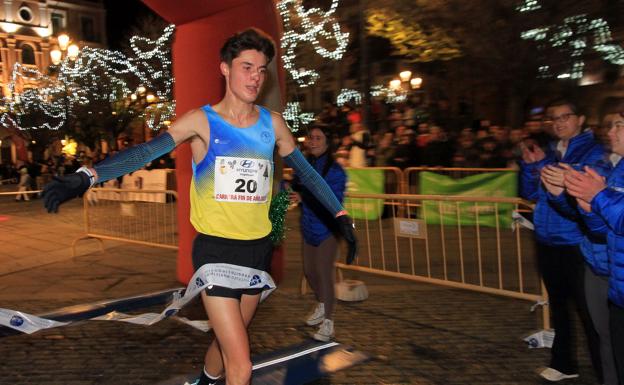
(232, 145)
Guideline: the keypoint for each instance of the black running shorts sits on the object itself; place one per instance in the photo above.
(255, 253)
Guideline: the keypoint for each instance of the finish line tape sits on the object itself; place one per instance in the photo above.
(217, 274)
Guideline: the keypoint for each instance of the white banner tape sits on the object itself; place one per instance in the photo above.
(216, 274)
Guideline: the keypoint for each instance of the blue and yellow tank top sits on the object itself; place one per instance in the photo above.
(231, 186)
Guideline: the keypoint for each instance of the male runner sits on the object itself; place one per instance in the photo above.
(232, 145)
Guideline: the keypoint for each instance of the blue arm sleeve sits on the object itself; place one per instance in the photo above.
(133, 158)
(594, 222)
(562, 204)
(609, 204)
(530, 178)
(313, 181)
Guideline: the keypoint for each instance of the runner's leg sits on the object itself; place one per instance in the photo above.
(214, 360)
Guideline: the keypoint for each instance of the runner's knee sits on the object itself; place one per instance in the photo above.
(238, 371)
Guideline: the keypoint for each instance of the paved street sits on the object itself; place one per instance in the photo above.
(417, 333)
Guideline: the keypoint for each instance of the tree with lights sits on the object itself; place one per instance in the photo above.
(98, 94)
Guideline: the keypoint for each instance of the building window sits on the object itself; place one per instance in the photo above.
(88, 30)
(25, 14)
(58, 23)
(28, 54)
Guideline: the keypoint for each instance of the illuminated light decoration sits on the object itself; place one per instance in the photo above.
(79, 79)
(544, 72)
(574, 36)
(315, 25)
(535, 34)
(528, 5)
(9, 27)
(70, 147)
(346, 95)
(43, 31)
(391, 95)
(295, 118)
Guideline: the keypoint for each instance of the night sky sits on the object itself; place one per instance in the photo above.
(121, 16)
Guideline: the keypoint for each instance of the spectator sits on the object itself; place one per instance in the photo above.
(438, 151)
(467, 154)
(360, 144)
(600, 202)
(385, 150)
(558, 236)
(406, 153)
(318, 228)
(24, 184)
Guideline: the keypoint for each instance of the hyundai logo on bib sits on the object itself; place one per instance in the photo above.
(255, 280)
(247, 164)
(16, 321)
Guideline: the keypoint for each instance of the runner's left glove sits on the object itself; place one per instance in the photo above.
(346, 226)
(64, 188)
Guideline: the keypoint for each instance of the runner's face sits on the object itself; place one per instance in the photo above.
(245, 76)
(317, 142)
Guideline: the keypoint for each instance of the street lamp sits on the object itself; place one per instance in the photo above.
(64, 49)
(406, 82)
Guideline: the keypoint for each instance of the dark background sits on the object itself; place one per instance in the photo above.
(121, 17)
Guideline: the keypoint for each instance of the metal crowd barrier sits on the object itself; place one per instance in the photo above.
(145, 217)
(410, 174)
(455, 241)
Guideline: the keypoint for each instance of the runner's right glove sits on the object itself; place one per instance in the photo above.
(346, 226)
(64, 188)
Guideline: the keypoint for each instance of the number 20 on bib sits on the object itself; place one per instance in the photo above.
(242, 180)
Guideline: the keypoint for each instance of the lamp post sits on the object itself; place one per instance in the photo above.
(405, 85)
(405, 82)
(64, 49)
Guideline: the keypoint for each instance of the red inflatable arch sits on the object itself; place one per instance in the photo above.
(202, 28)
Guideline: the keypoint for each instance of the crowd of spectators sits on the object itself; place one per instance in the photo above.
(403, 139)
(33, 175)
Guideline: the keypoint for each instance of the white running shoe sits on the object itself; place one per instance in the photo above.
(553, 375)
(317, 316)
(326, 331)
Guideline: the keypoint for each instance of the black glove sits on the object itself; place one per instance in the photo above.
(346, 226)
(64, 188)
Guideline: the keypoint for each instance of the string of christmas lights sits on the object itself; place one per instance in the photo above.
(528, 5)
(82, 80)
(574, 36)
(294, 117)
(313, 26)
(347, 95)
(390, 95)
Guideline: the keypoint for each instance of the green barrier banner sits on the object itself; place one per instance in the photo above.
(364, 181)
(490, 184)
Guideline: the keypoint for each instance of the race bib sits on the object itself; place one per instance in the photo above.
(242, 179)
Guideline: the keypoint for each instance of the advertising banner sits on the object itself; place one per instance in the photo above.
(489, 184)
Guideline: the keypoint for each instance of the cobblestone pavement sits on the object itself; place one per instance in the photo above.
(416, 333)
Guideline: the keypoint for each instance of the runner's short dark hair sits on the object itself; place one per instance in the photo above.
(251, 38)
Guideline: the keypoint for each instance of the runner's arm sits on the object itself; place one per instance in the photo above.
(314, 183)
(70, 186)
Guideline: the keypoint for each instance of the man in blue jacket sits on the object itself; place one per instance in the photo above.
(558, 236)
(605, 199)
